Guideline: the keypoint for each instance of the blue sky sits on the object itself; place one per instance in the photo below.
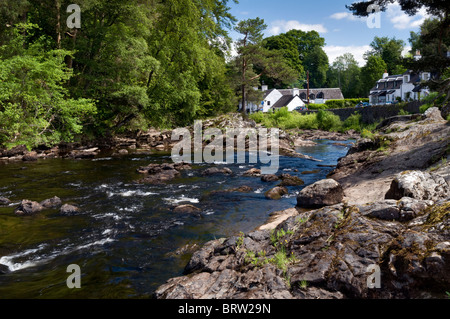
(342, 31)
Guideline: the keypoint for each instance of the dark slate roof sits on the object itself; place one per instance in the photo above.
(328, 93)
(283, 101)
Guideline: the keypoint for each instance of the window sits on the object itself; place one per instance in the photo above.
(268, 103)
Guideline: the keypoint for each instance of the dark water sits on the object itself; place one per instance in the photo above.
(126, 239)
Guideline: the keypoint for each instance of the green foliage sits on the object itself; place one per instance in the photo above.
(328, 121)
(302, 51)
(372, 72)
(323, 120)
(345, 73)
(367, 134)
(434, 99)
(390, 51)
(353, 122)
(35, 107)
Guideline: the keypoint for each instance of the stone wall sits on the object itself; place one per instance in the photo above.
(374, 113)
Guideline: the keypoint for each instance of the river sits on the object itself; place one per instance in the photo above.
(126, 238)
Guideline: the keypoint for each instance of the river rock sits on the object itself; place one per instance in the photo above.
(322, 193)
(4, 269)
(434, 114)
(16, 151)
(67, 209)
(4, 201)
(53, 202)
(270, 178)
(215, 171)
(28, 208)
(30, 157)
(187, 209)
(241, 189)
(161, 173)
(161, 177)
(418, 185)
(276, 192)
(252, 172)
(289, 180)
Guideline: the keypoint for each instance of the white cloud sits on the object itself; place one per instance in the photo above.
(334, 51)
(282, 26)
(401, 20)
(345, 15)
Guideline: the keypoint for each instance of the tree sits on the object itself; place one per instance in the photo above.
(35, 107)
(437, 8)
(316, 62)
(372, 72)
(390, 50)
(301, 49)
(254, 61)
(345, 73)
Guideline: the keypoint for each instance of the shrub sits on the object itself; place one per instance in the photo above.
(353, 122)
(328, 121)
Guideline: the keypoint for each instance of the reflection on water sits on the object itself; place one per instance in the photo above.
(126, 238)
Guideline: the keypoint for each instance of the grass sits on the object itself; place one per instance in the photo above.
(323, 120)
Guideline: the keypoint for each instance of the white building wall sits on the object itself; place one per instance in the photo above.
(271, 99)
(295, 103)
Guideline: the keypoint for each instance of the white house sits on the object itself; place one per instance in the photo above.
(407, 86)
(292, 98)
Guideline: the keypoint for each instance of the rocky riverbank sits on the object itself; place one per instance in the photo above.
(155, 140)
(386, 206)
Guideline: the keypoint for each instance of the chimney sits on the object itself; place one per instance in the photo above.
(264, 88)
(418, 56)
(295, 92)
(386, 74)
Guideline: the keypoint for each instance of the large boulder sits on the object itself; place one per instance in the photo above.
(325, 192)
(28, 208)
(418, 185)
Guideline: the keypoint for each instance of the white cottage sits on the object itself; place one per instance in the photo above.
(407, 86)
(292, 98)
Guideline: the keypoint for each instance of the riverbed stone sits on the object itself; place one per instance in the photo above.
(289, 180)
(53, 202)
(30, 157)
(215, 171)
(68, 209)
(270, 178)
(187, 209)
(28, 208)
(4, 201)
(276, 192)
(322, 193)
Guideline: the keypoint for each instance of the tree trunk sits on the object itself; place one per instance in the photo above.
(58, 23)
